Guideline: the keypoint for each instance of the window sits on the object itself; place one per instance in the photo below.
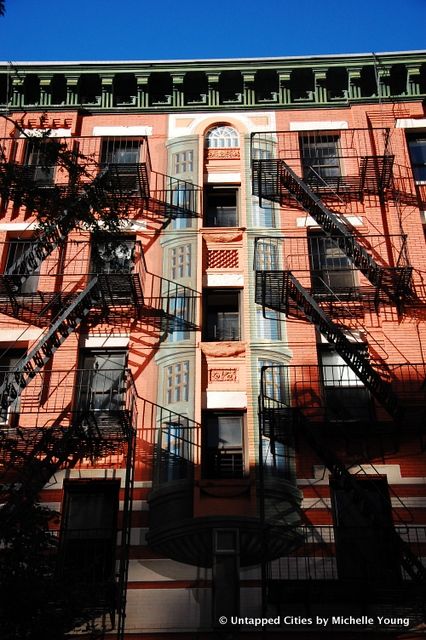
(8, 362)
(182, 308)
(226, 586)
(177, 382)
(320, 157)
(120, 151)
(113, 254)
(222, 315)
(222, 137)
(268, 328)
(88, 534)
(15, 265)
(122, 157)
(183, 162)
(101, 383)
(417, 147)
(275, 381)
(364, 550)
(263, 216)
(221, 206)
(222, 453)
(345, 397)
(264, 152)
(267, 254)
(176, 451)
(180, 262)
(41, 158)
(331, 269)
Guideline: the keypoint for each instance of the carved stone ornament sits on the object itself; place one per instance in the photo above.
(223, 349)
(223, 375)
(223, 154)
(223, 236)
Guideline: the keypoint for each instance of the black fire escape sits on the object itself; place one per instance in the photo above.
(32, 453)
(306, 171)
(392, 584)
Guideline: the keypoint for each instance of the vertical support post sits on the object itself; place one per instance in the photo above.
(107, 95)
(284, 96)
(142, 90)
(45, 93)
(249, 97)
(213, 85)
(178, 96)
(354, 77)
(72, 94)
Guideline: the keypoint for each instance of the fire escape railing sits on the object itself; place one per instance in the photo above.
(129, 291)
(171, 443)
(316, 557)
(110, 173)
(325, 264)
(338, 164)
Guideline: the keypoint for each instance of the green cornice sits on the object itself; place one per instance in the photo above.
(293, 82)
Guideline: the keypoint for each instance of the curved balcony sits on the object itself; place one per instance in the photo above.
(181, 530)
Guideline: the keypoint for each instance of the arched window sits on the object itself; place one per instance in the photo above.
(222, 137)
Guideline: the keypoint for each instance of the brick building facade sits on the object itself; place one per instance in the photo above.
(212, 330)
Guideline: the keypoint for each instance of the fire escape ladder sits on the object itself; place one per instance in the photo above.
(38, 250)
(34, 361)
(384, 278)
(283, 286)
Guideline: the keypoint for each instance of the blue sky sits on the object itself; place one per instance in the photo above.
(185, 29)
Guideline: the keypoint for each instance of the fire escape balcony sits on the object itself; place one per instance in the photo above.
(280, 172)
(320, 576)
(335, 165)
(332, 270)
(115, 269)
(309, 397)
(180, 458)
(97, 406)
(337, 402)
(108, 173)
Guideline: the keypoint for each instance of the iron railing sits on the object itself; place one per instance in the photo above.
(316, 557)
(30, 291)
(317, 253)
(308, 387)
(114, 170)
(332, 163)
(102, 401)
(170, 442)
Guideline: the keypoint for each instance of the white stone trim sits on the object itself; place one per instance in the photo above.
(196, 119)
(308, 221)
(143, 130)
(224, 177)
(18, 226)
(224, 280)
(411, 123)
(104, 342)
(225, 400)
(20, 335)
(321, 125)
(391, 471)
(39, 133)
